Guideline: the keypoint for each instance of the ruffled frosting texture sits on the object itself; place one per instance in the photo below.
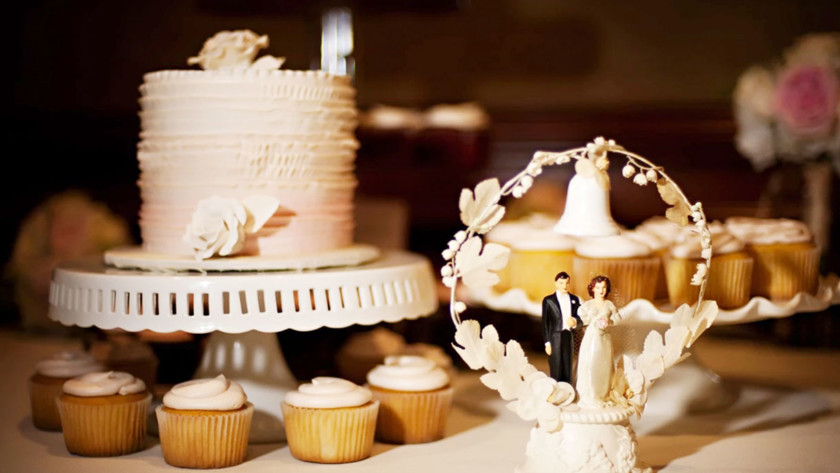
(616, 246)
(68, 364)
(408, 373)
(104, 383)
(326, 392)
(767, 231)
(210, 394)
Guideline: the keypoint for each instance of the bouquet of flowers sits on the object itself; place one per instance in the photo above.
(69, 225)
(789, 110)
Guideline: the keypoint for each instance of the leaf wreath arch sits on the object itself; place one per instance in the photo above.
(531, 393)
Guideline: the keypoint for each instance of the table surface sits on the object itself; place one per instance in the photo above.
(784, 418)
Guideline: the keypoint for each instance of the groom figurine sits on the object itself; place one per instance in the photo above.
(560, 319)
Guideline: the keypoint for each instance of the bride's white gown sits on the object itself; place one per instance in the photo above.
(595, 360)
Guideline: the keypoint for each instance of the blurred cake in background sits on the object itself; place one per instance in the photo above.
(362, 351)
(124, 351)
(457, 134)
(388, 133)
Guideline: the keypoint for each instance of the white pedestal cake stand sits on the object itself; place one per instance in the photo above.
(689, 386)
(244, 310)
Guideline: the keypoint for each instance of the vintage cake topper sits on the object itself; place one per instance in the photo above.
(583, 429)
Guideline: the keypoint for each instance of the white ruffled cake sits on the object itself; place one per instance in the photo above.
(244, 159)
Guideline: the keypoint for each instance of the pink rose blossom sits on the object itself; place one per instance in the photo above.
(806, 100)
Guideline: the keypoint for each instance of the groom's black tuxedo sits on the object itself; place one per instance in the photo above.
(562, 341)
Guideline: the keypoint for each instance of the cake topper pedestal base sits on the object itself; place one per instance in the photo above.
(595, 441)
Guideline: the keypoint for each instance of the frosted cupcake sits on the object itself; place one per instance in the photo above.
(659, 246)
(730, 274)
(330, 420)
(415, 398)
(204, 423)
(104, 414)
(537, 254)
(537, 258)
(632, 267)
(45, 386)
(662, 228)
(786, 258)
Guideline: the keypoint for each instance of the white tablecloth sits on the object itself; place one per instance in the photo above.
(784, 419)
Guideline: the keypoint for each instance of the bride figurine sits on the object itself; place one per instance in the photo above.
(595, 360)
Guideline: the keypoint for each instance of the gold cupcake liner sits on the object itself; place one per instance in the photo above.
(412, 417)
(661, 292)
(782, 271)
(204, 439)
(42, 397)
(630, 278)
(340, 435)
(534, 270)
(94, 427)
(728, 282)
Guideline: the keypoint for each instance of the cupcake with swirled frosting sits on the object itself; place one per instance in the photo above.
(330, 420)
(786, 258)
(632, 266)
(537, 254)
(415, 398)
(204, 423)
(730, 273)
(104, 413)
(46, 383)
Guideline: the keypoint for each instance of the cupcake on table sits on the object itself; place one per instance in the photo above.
(204, 423)
(45, 386)
(330, 420)
(786, 258)
(632, 266)
(730, 273)
(415, 397)
(104, 413)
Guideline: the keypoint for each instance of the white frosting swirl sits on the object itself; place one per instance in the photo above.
(615, 246)
(652, 240)
(723, 243)
(211, 394)
(326, 392)
(661, 227)
(104, 383)
(765, 231)
(68, 364)
(408, 373)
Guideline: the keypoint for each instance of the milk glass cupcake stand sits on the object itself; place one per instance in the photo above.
(244, 309)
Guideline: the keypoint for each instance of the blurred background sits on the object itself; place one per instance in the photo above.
(655, 75)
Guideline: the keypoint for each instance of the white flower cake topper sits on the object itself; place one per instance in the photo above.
(532, 394)
(235, 50)
(219, 226)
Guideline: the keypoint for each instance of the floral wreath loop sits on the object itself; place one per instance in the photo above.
(532, 394)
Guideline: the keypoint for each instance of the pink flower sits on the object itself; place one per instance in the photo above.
(806, 100)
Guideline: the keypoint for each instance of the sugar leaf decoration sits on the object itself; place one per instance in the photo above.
(480, 209)
(679, 210)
